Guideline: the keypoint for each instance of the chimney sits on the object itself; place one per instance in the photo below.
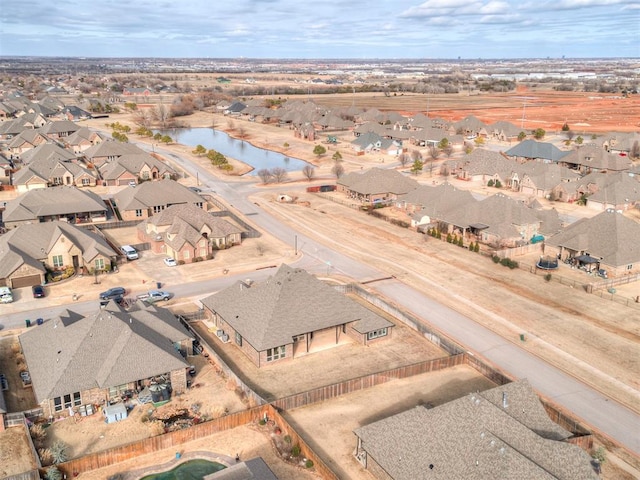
(505, 404)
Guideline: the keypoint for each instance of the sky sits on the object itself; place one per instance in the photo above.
(340, 29)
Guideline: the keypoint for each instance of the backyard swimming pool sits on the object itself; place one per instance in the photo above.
(189, 470)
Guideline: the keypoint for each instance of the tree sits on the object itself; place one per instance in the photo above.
(444, 143)
(278, 174)
(319, 150)
(309, 172)
(162, 114)
(417, 166)
(539, 133)
(635, 150)
(522, 136)
(338, 169)
(448, 151)
(434, 153)
(579, 140)
(565, 127)
(59, 452)
(53, 474)
(199, 150)
(403, 158)
(570, 134)
(166, 139)
(336, 156)
(264, 174)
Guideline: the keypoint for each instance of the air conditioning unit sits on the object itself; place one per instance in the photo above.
(219, 333)
(224, 338)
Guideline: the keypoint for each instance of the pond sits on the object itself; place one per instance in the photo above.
(190, 470)
(258, 158)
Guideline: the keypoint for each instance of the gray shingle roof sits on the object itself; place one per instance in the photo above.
(149, 194)
(475, 437)
(63, 200)
(71, 353)
(377, 180)
(47, 150)
(291, 302)
(609, 236)
(538, 150)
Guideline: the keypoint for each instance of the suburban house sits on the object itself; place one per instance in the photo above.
(608, 241)
(46, 172)
(150, 198)
(29, 121)
(83, 139)
(186, 232)
(540, 179)
(5, 170)
(372, 142)
(48, 150)
(136, 92)
(504, 432)
(59, 129)
(108, 151)
(617, 191)
(26, 140)
(28, 252)
(434, 201)
(504, 131)
(64, 203)
(591, 158)
(621, 143)
(471, 127)
(376, 185)
(134, 167)
(497, 220)
(534, 150)
(77, 361)
(289, 315)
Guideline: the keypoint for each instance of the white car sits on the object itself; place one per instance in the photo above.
(170, 262)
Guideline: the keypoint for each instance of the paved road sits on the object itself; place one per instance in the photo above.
(609, 417)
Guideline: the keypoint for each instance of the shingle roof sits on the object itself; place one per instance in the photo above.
(47, 168)
(438, 200)
(150, 194)
(476, 437)
(52, 201)
(532, 149)
(133, 163)
(377, 180)
(47, 150)
(291, 302)
(609, 236)
(71, 353)
(31, 243)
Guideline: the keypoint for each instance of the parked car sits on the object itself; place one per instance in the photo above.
(130, 252)
(170, 262)
(113, 293)
(153, 296)
(195, 189)
(38, 291)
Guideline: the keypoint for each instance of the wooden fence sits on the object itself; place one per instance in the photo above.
(175, 440)
(329, 392)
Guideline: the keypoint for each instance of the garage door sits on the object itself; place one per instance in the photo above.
(19, 282)
(3, 282)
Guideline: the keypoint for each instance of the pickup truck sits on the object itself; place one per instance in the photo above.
(153, 296)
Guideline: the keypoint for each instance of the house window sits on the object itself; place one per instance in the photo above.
(76, 399)
(203, 252)
(185, 255)
(158, 208)
(99, 263)
(238, 339)
(144, 175)
(56, 180)
(381, 332)
(86, 181)
(117, 390)
(138, 212)
(69, 400)
(57, 261)
(275, 353)
(630, 267)
(57, 404)
(199, 204)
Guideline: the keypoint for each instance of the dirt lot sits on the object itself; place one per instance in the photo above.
(15, 452)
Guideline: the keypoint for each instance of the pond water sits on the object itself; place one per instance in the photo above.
(211, 139)
(190, 470)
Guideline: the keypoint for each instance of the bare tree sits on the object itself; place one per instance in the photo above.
(403, 158)
(570, 134)
(242, 132)
(162, 114)
(278, 174)
(309, 172)
(265, 175)
(434, 153)
(142, 117)
(338, 170)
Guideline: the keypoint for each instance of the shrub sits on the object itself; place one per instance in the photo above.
(490, 183)
(308, 463)
(180, 262)
(53, 474)
(476, 248)
(295, 450)
(498, 184)
(45, 456)
(262, 422)
(600, 454)
(449, 238)
(547, 277)
(59, 453)
(496, 259)
(287, 438)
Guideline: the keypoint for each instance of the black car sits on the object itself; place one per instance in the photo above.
(112, 293)
(38, 291)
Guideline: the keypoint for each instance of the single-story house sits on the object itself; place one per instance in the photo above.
(376, 185)
(134, 167)
(29, 251)
(46, 172)
(185, 232)
(149, 198)
(107, 151)
(77, 360)
(66, 203)
(289, 315)
(504, 432)
(534, 150)
(610, 238)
